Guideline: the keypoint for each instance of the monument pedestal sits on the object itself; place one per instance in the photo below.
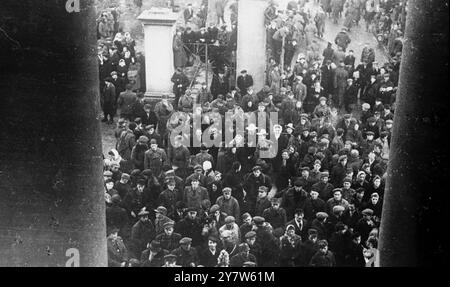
(251, 42)
(159, 30)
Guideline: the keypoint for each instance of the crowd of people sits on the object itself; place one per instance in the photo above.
(316, 202)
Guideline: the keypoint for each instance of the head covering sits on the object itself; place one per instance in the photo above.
(258, 220)
(185, 240)
(250, 234)
(321, 215)
(229, 219)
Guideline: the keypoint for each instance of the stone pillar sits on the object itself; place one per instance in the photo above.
(415, 209)
(159, 30)
(251, 40)
(52, 206)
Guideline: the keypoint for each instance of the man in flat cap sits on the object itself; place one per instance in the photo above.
(191, 227)
(155, 158)
(243, 256)
(229, 204)
(268, 243)
(275, 215)
(154, 255)
(336, 200)
(320, 224)
(187, 255)
(117, 252)
(208, 256)
(123, 186)
(294, 197)
(244, 81)
(323, 257)
(366, 224)
(194, 194)
(262, 202)
(314, 204)
(323, 187)
(252, 182)
(169, 239)
(338, 172)
(142, 233)
(232, 228)
(138, 153)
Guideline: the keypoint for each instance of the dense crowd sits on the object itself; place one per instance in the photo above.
(316, 202)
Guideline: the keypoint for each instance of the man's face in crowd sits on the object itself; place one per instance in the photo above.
(337, 196)
(171, 186)
(140, 188)
(194, 184)
(317, 166)
(299, 216)
(257, 173)
(377, 182)
(186, 247)
(262, 194)
(227, 195)
(325, 179)
(360, 195)
(323, 249)
(314, 195)
(144, 218)
(114, 168)
(192, 214)
(290, 232)
(305, 173)
(374, 199)
(346, 185)
(250, 241)
(285, 155)
(109, 185)
(212, 244)
(362, 177)
(168, 231)
(275, 205)
(248, 220)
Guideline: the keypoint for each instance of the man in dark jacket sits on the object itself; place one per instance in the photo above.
(142, 233)
(208, 256)
(342, 39)
(153, 256)
(108, 101)
(187, 255)
(191, 227)
(126, 102)
(268, 243)
(293, 198)
(313, 205)
(350, 96)
(180, 83)
(117, 252)
(300, 224)
(252, 182)
(169, 240)
(323, 257)
(244, 81)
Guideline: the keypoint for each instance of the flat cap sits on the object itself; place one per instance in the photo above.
(367, 211)
(338, 208)
(250, 234)
(185, 240)
(258, 220)
(229, 219)
(321, 215)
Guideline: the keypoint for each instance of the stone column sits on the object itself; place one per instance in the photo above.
(159, 30)
(415, 209)
(52, 206)
(251, 40)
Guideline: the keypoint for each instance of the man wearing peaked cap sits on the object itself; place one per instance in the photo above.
(250, 234)
(367, 212)
(185, 240)
(258, 220)
(321, 215)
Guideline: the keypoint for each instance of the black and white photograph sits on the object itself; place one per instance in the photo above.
(224, 133)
